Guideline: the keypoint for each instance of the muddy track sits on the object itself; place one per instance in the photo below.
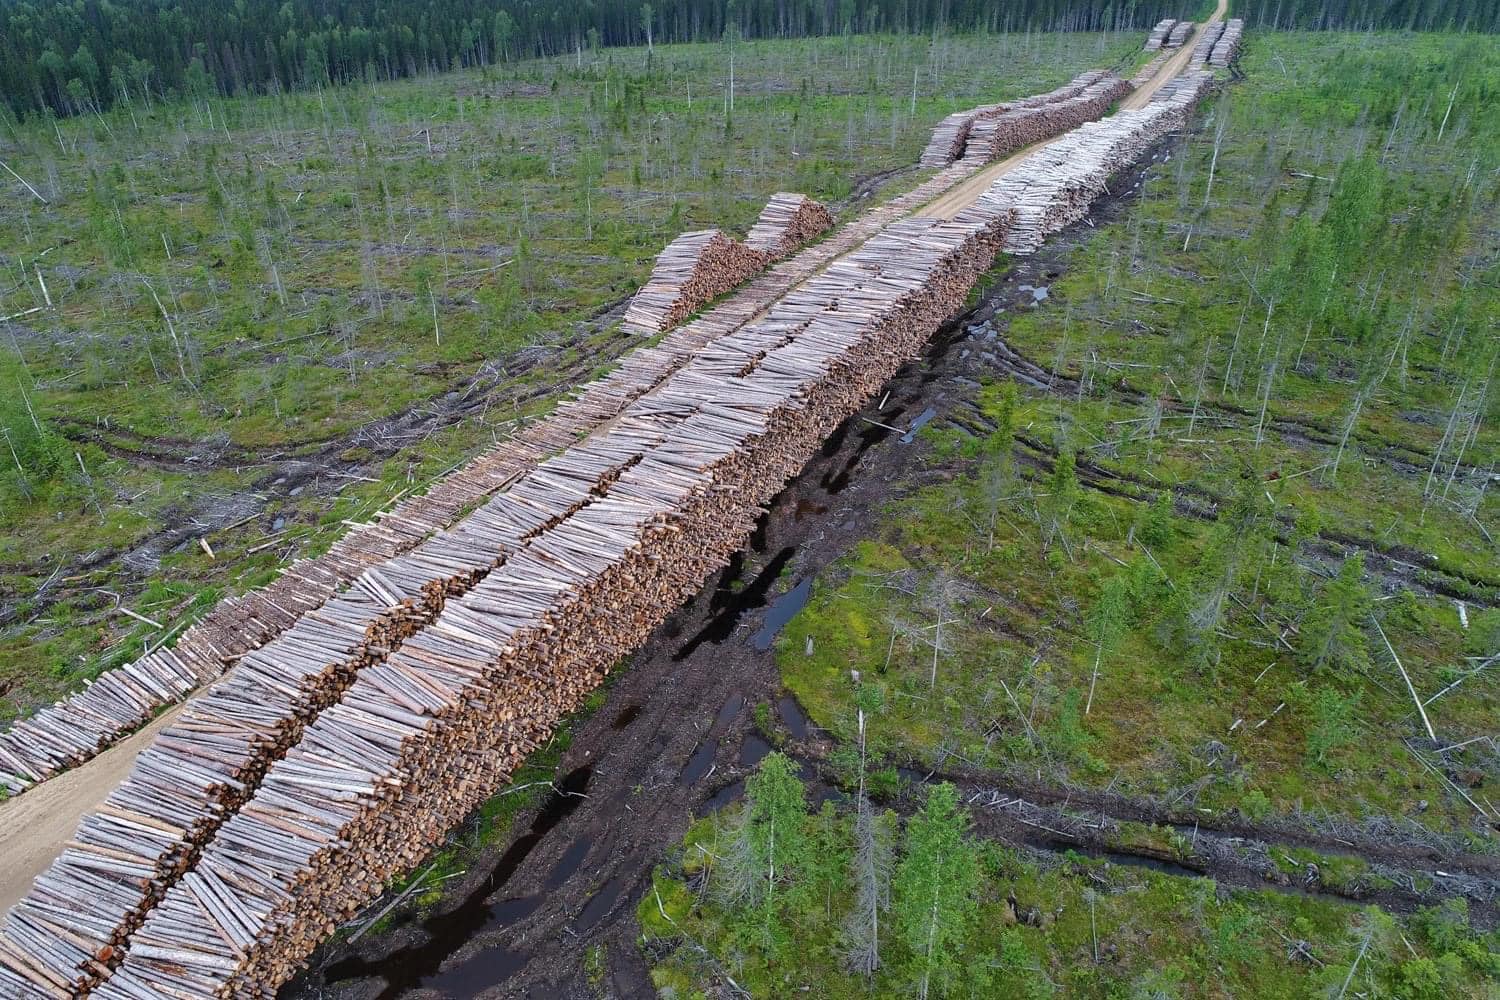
(676, 737)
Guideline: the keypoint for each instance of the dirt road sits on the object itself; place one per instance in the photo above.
(34, 826)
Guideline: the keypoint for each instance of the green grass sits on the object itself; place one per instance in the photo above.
(1069, 926)
(1231, 720)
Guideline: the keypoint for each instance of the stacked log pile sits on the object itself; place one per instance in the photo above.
(788, 222)
(1228, 45)
(1179, 35)
(122, 700)
(993, 138)
(211, 759)
(1055, 188)
(693, 270)
(1159, 34)
(1204, 46)
(950, 135)
(421, 738)
(963, 134)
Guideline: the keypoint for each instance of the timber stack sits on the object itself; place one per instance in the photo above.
(1056, 187)
(993, 138)
(981, 134)
(1159, 34)
(951, 134)
(148, 833)
(1179, 36)
(698, 267)
(1204, 46)
(693, 270)
(120, 701)
(1228, 46)
(788, 222)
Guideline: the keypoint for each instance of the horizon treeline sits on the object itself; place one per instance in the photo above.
(73, 56)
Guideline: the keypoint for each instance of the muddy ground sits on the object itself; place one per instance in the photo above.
(676, 735)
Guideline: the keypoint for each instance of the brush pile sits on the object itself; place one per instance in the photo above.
(1056, 187)
(1228, 46)
(1159, 34)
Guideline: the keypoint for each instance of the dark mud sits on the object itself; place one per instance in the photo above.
(676, 737)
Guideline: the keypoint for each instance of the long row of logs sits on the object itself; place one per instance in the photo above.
(120, 701)
(698, 267)
(951, 138)
(1159, 34)
(197, 772)
(997, 136)
(1056, 187)
(1228, 45)
(421, 739)
(1204, 46)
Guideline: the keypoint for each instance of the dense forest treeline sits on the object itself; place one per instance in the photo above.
(69, 56)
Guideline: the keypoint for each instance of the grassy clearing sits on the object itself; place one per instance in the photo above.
(241, 281)
(1039, 926)
(1165, 619)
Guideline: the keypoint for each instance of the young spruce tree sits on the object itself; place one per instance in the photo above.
(935, 888)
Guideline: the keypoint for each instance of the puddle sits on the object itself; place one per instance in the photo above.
(781, 612)
(732, 792)
(1039, 293)
(806, 508)
(699, 764)
(418, 967)
(568, 864)
(599, 904)
(734, 605)
(730, 709)
(793, 717)
(918, 424)
(626, 717)
(1126, 860)
(753, 750)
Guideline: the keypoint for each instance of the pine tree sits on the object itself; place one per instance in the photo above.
(935, 890)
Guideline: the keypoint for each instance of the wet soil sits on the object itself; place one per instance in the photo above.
(676, 738)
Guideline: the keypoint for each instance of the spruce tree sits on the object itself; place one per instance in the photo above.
(1332, 634)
